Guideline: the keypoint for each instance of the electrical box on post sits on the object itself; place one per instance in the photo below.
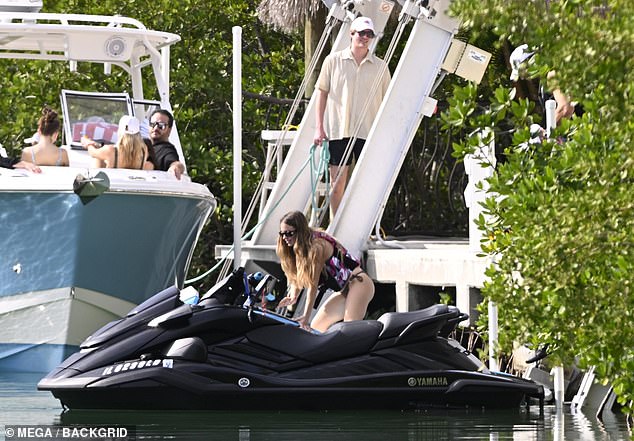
(466, 61)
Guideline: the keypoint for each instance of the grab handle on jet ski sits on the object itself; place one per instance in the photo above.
(250, 314)
(252, 294)
(261, 287)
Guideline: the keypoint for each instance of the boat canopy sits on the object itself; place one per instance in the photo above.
(113, 40)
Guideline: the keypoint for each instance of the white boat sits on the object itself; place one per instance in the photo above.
(82, 246)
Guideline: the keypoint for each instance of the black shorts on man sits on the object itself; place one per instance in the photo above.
(337, 148)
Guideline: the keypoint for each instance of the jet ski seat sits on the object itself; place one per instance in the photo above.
(343, 339)
(428, 322)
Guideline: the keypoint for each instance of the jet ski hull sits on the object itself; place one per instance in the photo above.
(174, 385)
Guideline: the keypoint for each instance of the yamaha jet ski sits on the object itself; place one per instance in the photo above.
(227, 351)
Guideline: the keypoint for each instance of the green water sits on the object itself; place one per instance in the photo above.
(22, 404)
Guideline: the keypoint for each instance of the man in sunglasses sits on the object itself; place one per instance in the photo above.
(350, 88)
(165, 156)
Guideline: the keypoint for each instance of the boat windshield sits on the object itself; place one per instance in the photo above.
(97, 115)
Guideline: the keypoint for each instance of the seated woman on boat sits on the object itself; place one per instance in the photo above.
(45, 152)
(129, 152)
(315, 261)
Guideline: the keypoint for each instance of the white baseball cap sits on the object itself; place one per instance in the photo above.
(362, 24)
(129, 124)
(518, 56)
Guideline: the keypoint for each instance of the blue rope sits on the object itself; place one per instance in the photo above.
(316, 172)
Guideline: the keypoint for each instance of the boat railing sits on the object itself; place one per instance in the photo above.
(69, 20)
(51, 36)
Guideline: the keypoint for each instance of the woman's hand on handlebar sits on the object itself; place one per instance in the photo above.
(303, 322)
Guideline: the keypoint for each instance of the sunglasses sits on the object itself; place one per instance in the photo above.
(366, 33)
(289, 233)
(160, 125)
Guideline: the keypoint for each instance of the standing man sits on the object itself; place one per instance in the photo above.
(165, 156)
(350, 89)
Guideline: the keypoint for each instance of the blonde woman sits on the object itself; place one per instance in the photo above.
(314, 261)
(45, 152)
(129, 152)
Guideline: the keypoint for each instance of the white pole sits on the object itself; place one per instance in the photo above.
(558, 373)
(237, 145)
(551, 121)
(493, 336)
(479, 166)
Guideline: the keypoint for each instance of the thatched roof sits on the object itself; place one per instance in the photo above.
(287, 15)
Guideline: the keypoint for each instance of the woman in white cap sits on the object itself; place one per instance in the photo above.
(129, 152)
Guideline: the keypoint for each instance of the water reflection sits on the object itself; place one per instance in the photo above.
(21, 403)
(352, 425)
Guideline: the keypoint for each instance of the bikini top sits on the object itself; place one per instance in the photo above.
(339, 266)
(57, 163)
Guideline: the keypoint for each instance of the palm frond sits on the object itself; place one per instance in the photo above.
(287, 15)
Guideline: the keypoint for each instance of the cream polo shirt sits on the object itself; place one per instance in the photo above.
(349, 85)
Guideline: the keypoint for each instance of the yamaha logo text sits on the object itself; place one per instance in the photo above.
(427, 381)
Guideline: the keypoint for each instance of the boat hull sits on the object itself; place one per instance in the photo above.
(74, 265)
(42, 329)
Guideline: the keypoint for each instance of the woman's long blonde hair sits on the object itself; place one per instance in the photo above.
(132, 151)
(298, 261)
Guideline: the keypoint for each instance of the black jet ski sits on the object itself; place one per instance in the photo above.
(227, 351)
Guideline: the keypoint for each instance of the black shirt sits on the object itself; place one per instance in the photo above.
(164, 154)
(7, 162)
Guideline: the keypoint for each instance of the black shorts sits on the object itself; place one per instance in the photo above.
(337, 148)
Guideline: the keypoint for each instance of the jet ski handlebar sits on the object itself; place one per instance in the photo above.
(240, 288)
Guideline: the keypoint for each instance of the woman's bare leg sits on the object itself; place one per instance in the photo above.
(352, 306)
(358, 298)
(331, 312)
